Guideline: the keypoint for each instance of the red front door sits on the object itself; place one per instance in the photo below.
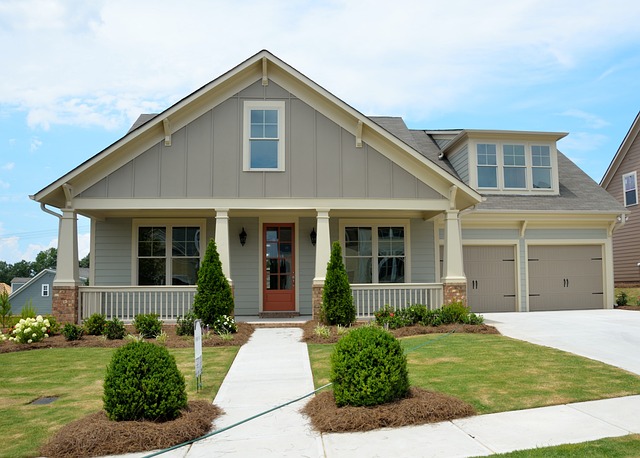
(279, 268)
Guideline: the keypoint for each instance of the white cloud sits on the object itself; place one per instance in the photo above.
(4, 185)
(35, 144)
(8, 166)
(412, 55)
(590, 120)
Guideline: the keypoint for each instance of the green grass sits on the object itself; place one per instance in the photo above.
(633, 295)
(496, 374)
(614, 447)
(75, 375)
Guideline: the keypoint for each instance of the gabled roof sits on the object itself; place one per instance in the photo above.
(265, 65)
(84, 274)
(622, 152)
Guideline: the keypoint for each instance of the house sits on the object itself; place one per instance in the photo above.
(275, 168)
(621, 181)
(37, 291)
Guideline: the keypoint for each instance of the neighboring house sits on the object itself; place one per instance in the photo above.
(276, 168)
(36, 291)
(4, 288)
(621, 181)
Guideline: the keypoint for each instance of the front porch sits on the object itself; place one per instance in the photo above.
(172, 302)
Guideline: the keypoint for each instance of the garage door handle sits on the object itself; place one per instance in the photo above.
(512, 295)
(534, 295)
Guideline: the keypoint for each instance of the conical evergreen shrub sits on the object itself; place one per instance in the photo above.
(214, 297)
(337, 302)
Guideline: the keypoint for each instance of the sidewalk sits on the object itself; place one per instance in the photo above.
(273, 368)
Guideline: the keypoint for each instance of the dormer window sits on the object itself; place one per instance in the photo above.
(515, 167)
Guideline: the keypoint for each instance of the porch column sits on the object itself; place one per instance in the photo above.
(67, 280)
(323, 255)
(453, 278)
(222, 240)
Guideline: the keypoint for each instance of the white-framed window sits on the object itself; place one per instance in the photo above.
(487, 165)
(515, 172)
(516, 168)
(45, 290)
(541, 166)
(263, 149)
(167, 253)
(630, 188)
(375, 253)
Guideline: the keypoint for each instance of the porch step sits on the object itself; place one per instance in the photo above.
(279, 314)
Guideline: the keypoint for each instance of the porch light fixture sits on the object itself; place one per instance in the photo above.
(243, 237)
(313, 236)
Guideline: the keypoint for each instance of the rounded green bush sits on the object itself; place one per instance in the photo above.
(114, 329)
(368, 368)
(143, 383)
(94, 325)
(148, 325)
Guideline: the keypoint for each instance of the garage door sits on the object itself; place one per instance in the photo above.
(491, 278)
(565, 277)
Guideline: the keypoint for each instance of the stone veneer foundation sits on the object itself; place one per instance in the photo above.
(316, 300)
(455, 292)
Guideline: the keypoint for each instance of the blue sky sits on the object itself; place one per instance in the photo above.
(76, 74)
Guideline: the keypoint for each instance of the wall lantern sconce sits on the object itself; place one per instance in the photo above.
(313, 236)
(243, 237)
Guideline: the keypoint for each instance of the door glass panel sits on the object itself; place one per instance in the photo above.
(285, 234)
(285, 282)
(272, 250)
(272, 234)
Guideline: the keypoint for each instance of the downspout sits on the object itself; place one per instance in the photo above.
(46, 210)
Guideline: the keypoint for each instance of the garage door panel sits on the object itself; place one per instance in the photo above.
(565, 277)
(491, 285)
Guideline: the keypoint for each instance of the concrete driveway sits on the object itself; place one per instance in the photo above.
(610, 336)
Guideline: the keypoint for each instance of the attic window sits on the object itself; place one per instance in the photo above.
(45, 290)
(630, 188)
(263, 136)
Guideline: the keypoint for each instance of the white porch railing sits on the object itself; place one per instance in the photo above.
(369, 298)
(125, 302)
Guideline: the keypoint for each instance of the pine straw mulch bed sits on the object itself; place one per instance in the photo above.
(173, 340)
(309, 335)
(420, 407)
(96, 435)
(629, 307)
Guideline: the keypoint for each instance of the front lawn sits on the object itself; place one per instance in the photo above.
(619, 447)
(75, 376)
(496, 374)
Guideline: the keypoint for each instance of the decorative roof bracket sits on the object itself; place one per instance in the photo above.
(167, 131)
(265, 78)
(359, 135)
(68, 195)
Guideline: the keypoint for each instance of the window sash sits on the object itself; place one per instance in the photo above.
(386, 244)
(264, 135)
(630, 188)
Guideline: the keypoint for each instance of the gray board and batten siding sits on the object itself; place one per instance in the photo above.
(205, 160)
(31, 294)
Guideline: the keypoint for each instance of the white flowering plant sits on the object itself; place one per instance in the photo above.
(225, 323)
(30, 330)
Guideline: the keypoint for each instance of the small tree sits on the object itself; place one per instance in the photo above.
(213, 297)
(5, 308)
(337, 302)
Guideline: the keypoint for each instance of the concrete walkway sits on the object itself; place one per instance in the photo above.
(273, 368)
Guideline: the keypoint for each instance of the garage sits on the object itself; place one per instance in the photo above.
(565, 277)
(491, 278)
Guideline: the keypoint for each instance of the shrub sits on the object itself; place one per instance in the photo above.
(455, 312)
(143, 383)
(94, 325)
(184, 325)
(390, 318)
(622, 299)
(28, 311)
(54, 326)
(368, 367)
(5, 308)
(147, 325)
(30, 330)
(72, 331)
(114, 329)
(337, 301)
(213, 297)
(472, 318)
(225, 324)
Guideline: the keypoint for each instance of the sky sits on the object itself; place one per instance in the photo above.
(75, 74)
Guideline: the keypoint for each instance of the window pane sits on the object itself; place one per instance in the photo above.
(271, 116)
(151, 271)
(514, 177)
(630, 198)
(629, 182)
(513, 155)
(186, 241)
(257, 131)
(257, 116)
(487, 177)
(541, 178)
(391, 270)
(358, 270)
(151, 241)
(264, 154)
(271, 131)
(185, 271)
(486, 154)
(540, 156)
